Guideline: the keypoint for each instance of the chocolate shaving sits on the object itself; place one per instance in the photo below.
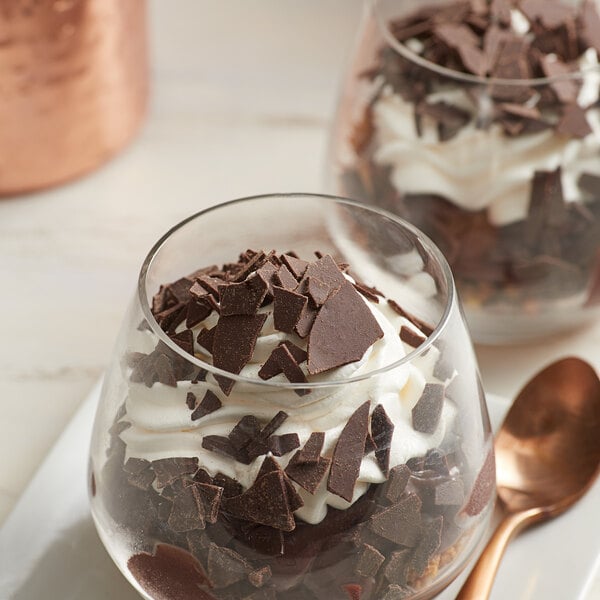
(167, 470)
(280, 445)
(306, 321)
(382, 430)
(348, 454)
(209, 284)
(171, 318)
(282, 360)
(197, 311)
(307, 468)
(483, 488)
(396, 483)
(410, 337)
(209, 404)
(206, 338)
(316, 290)
(427, 411)
(185, 340)
(426, 329)
(284, 278)
(235, 339)
(287, 308)
(254, 263)
(243, 298)
(266, 503)
(367, 292)
(343, 331)
(191, 400)
(226, 567)
(267, 274)
(296, 266)
(396, 570)
(260, 442)
(369, 561)
(428, 545)
(400, 523)
(194, 506)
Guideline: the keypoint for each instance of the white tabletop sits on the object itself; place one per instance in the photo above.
(243, 95)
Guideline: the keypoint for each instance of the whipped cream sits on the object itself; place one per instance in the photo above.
(161, 426)
(484, 169)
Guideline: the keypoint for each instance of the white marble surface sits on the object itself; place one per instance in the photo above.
(242, 99)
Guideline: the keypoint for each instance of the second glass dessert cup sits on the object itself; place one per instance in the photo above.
(372, 478)
(483, 130)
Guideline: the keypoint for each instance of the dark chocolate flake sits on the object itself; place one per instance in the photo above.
(296, 266)
(235, 339)
(343, 331)
(426, 329)
(287, 308)
(369, 561)
(280, 445)
(396, 483)
(316, 290)
(243, 298)
(401, 522)
(427, 411)
(428, 545)
(187, 512)
(284, 278)
(169, 469)
(210, 403)
(226, 567)
(483, 488)
(206, 338)
(185, 340)
(396, 569)
(348, 454)
(410, 337)
(382, 430)
(306, 321)
(197, 311)
(307, 468)
(191, 400)
(266, 503)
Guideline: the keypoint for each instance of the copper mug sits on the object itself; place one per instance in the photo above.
(73, 87)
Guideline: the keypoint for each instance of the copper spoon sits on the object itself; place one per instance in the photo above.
(547, 457)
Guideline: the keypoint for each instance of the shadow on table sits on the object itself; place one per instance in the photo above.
(76, 567)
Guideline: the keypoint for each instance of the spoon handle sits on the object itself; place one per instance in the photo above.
(478, 585)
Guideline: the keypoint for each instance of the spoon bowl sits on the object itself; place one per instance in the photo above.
(547, 457)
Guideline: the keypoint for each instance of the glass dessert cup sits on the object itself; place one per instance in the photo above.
(372, 479)
(490, 145)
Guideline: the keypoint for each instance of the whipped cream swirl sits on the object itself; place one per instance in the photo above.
(484, 169)
(161, 426)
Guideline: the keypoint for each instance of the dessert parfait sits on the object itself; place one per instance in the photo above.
(279, 428)
(479, 122)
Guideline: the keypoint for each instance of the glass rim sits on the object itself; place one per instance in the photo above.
(427, 243)
(407, 53)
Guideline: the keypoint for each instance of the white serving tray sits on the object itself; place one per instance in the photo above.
(49, 549)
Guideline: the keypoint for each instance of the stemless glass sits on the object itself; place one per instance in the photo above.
(503, 174)
(408, 531)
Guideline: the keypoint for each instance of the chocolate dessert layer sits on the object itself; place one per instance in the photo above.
(226, 492)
